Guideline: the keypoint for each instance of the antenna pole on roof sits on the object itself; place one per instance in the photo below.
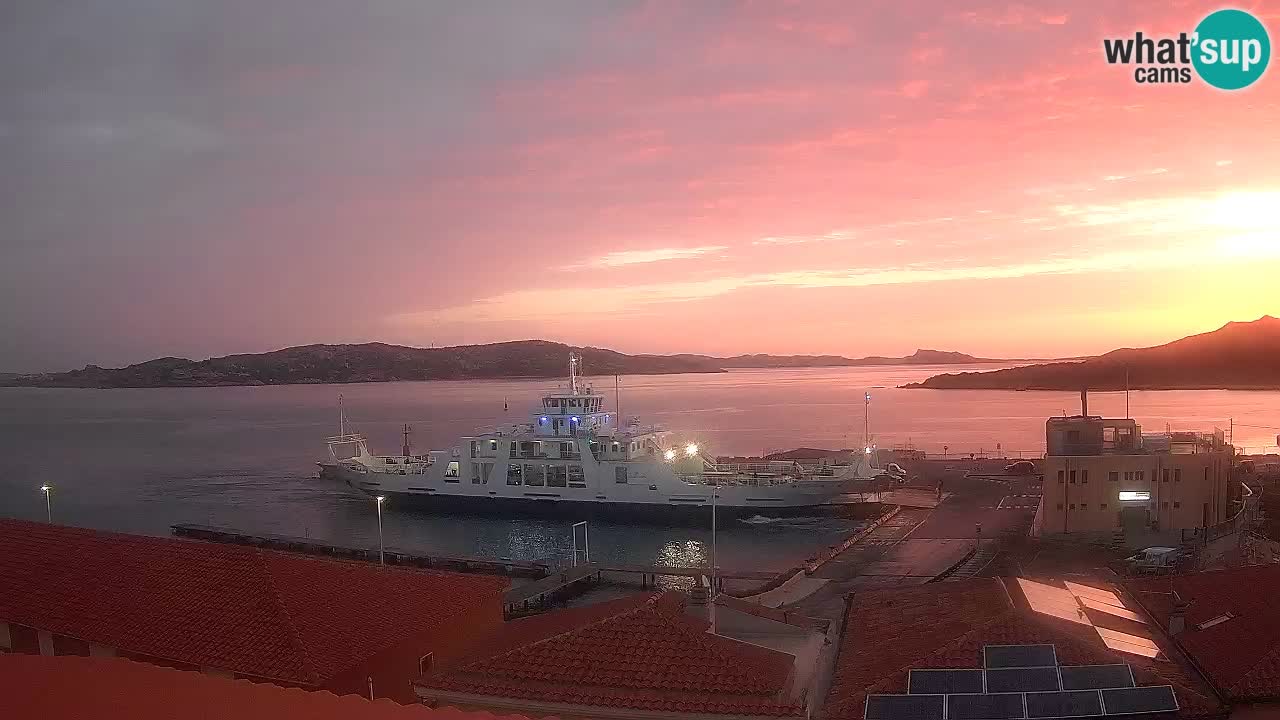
(1126, 392)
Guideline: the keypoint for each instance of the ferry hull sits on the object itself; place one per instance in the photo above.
(545, 505)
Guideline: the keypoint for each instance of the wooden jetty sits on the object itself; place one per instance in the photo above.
(537, 595)
(394, 556)
(650, 573)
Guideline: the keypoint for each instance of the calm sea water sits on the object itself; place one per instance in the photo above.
(142, 460)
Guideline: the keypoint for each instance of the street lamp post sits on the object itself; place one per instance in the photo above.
(382, 555)
(714, 568)
(48, 504)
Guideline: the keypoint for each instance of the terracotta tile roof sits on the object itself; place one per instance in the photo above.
(639, 653)
(1241, 655)
(76, 688)
(945, 625)
(268, 614)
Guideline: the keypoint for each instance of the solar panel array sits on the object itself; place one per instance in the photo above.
(1021, 682)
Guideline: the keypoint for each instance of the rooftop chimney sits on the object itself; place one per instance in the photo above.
(1084, 402)
(1178, 616)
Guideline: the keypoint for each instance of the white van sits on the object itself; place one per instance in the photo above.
(1153, 559)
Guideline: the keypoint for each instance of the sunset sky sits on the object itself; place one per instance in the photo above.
(196, 178)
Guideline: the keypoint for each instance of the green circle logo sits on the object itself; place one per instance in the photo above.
(1232, 49)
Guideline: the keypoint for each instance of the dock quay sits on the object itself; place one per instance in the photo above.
(548, 584)
(394, 556)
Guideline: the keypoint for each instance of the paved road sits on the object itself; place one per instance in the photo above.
(1003, 507)
(843, 570)
(921, 542)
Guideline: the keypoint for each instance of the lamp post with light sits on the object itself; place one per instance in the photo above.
(48, 504)
(382, 556)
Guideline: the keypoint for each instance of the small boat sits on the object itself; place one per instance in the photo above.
(575, 457)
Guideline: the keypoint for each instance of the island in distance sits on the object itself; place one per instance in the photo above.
(378, 362)
(1237, 356)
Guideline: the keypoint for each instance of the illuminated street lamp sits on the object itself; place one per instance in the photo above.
(48, 504)
(382, 556)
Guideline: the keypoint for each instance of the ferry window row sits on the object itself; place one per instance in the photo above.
(587, 404)
(546, 475)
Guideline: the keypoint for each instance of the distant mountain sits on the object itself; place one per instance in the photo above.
(1239, 355)
(919, 357)
(369, 362)
(378, 362)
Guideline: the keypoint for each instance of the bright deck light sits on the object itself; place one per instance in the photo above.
(670, 454)
(867, 451)
(691, 449)
(45, 488)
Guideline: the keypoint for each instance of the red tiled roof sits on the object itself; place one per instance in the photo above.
(267, 614)
(638, 653)
(1241, 656)
(76, 688)
(945, 625)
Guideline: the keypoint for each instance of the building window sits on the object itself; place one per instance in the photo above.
(1084, 506)
(1177, 474)
(1176, 504)
(576, 478)
(1084, 477)
(451, 472)
(1103, 506)
(1166, 504)
(515, 476)
(1073, 506)
(493, 445)
(1164, 475)
(1128, 476)
(620, 474)
(1114, 476)
(1073, 477)
(1141, 474)
(1061, 474)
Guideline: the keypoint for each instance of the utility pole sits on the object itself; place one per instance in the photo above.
(866, 424)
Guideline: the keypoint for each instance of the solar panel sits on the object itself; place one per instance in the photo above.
(905, 707)
(1128, 701)
(944, 681)
(1067, 704)
(1018, 656)
(998, 706)
(1022, 679)
(1096, 677)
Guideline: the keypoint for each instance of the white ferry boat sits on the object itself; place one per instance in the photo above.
(573, 457)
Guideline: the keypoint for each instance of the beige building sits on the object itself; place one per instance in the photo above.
(1103, 475)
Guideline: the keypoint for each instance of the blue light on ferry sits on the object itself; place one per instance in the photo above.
(574, 419)
(542, 419)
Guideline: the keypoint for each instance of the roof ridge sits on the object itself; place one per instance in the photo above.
(262, 561)
(716, 647)
(648, 603)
